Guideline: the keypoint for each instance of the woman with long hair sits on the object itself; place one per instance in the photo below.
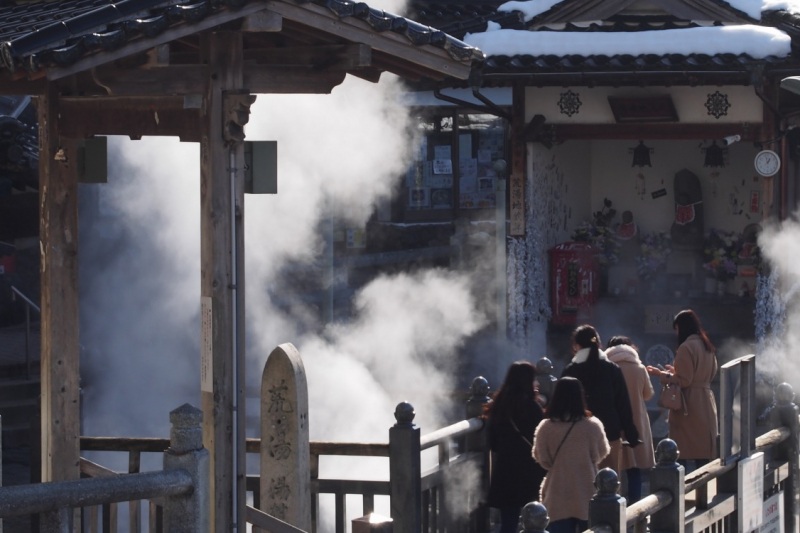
(569, 444)
(606, 392)
(694, 429)
(512, 417)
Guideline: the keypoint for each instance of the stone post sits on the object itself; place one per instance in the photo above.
(478, 442)
(189, 513)
(607, 508)
(668, 475)
(534, 518)
(405, 471)
(785, 414)
(285, 449)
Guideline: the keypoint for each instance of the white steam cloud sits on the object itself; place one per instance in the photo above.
(780, 245)
(338, 154)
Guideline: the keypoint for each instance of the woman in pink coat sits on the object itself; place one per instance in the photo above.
(695, 431)
(622, 351)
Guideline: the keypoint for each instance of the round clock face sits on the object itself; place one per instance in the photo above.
(767, 163)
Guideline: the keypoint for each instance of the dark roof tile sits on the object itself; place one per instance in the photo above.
(61, 31)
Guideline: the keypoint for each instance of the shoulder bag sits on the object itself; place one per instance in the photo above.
(671, 398)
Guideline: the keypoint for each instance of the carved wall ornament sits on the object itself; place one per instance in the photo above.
(717, 104)
(569, 103)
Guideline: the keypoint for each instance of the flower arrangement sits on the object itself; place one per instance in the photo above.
(721, 254)
(599, 233)
(654, 249)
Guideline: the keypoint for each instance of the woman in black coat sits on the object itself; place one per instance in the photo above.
(513, 415)
(606, 392)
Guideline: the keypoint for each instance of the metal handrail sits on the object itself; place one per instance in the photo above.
(28, 305)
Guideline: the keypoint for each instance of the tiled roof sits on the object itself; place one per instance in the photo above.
(458, 19)
(474, 16)
(34, 35)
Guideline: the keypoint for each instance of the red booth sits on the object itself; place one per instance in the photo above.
(574, 287)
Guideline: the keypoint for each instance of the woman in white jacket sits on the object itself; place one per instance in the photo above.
(622, 351)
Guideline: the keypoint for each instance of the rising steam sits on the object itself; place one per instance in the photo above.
(339, 155)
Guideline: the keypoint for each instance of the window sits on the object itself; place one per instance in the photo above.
(455, 167)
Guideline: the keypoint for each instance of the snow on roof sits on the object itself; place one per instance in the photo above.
(753, 8)
(756, 41)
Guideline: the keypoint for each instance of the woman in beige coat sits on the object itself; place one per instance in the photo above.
(621, 351)
(695, 432)
(569, 444)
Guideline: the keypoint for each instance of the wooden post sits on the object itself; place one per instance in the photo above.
(58, 234)
(607, 508)
(285, 449)
(517, 178)
(222, 280)
(405, 471)
(668, 475)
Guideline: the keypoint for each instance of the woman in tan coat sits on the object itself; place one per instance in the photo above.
(695, 432)
(620, 350)
(569, 444)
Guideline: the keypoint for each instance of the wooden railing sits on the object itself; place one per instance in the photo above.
(419, 500)
(431, 483)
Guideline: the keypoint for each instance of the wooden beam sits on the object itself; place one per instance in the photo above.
(58, 234)
(135, 117)
(430, 59)
(20, 86)
(192, 79)
(263, 80)
(676, 131)
(337, 57)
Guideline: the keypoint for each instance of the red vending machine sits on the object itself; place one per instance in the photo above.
(573, 282)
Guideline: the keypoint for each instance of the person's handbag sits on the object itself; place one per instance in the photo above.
(672, 398)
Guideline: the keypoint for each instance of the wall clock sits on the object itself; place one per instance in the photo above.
(767, 163)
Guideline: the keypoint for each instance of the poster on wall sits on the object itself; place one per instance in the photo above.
(441, 198)
(419, 197)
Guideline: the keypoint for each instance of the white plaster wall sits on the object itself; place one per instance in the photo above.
(745, 106)
(589, 171)
(726, 190)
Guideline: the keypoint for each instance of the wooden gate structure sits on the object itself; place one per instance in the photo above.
(187, 69)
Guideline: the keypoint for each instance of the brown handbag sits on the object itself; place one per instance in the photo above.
(672, 398)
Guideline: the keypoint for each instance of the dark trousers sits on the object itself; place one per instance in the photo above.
(634, 476)
(568, 525)
(509, 519)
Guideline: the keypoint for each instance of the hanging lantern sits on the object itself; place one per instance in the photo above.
(641, 155)
(715, 155)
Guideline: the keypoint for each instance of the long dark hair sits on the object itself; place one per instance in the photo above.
(517, 391)
(586, 336)
(569, 401)
(688, 323)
